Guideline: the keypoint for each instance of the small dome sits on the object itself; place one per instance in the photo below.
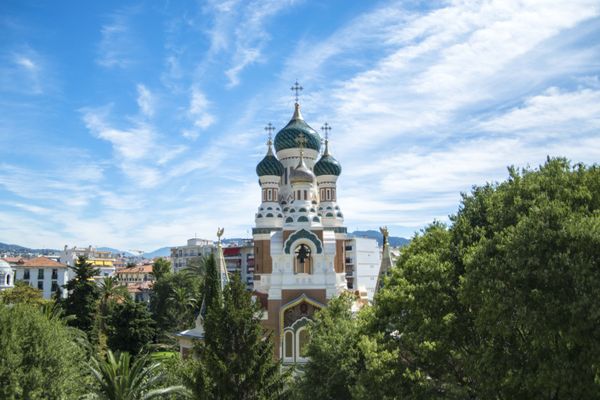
(4, 265)
(269, 165)
(327, 164)
(287, 137)
(301, 174)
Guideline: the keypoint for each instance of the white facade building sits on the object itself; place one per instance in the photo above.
(103, 260)
(363, 259)
(195, 248)
(45, 274)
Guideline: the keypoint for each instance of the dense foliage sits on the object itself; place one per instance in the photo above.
(119, 377)
(235, 362)
(502, 304)
(83, 296)
(22, 292)
(129, 327)
(171, 315)
(40, 357)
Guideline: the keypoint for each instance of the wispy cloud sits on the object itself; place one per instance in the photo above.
(198, 110)
(24, 70)
(117, 43)
(240, 28)
(145, 100)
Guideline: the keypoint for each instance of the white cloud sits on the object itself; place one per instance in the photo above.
(244, 25)
(117, 45)
(145, 100)
(553, 111)
(198, 109)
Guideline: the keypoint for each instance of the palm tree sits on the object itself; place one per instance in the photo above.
(183, 303)
(196, 266)
(110, 290)
(121, 379)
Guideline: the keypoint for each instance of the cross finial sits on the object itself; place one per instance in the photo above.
(269, 129)
(296, 89)
(301, 141)
(326, 128)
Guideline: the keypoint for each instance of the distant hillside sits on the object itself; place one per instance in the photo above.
(162, 252)
(117, 251)
(15, 248)
(394, 241)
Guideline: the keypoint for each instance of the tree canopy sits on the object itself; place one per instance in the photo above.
(40, 357)
(83, 295)
(503, 303)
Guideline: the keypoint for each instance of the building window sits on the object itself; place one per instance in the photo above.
(303, 338)
(54, 273)
(41, 285)
(328, 194)
(305, 195)
(288, 346)
(54, 286)
(264, 195)
(7, 279)
(40, 273)
(303, 260)
(269, 194)
(26, 275)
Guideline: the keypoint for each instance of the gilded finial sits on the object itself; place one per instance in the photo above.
(301, 142)
(326, 128)
(269, 129)
(220, 233)
(385, 233)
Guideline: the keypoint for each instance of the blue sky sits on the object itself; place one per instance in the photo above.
(139, 124)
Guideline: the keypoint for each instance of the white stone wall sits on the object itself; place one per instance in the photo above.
(63, 276)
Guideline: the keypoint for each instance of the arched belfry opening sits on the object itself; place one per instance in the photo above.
(303, 260)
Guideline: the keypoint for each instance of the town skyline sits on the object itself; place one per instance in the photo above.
(135, 126)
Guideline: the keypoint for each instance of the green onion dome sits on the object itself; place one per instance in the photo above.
(269, 165)
(287, 137)
(327, 164)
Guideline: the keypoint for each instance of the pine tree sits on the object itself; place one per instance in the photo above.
(83, 295)
(236, 359)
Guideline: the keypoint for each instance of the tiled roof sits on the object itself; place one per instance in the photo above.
(41, 262)
(12, 260)
(138, 269)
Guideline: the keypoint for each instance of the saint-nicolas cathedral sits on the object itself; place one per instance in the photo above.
(299, 234)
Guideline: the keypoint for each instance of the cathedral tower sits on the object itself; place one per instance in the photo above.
(299, 234)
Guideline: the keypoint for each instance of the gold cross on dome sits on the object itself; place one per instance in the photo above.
(269, 128)
(301, 141)
(296, 89)
(326, 128)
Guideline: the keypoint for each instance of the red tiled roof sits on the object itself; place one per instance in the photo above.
(13, 260)
(138, 269)
(41, 262)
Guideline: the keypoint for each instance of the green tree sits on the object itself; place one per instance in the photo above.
(110, 291)
(129, 327)
(333, 351)
(416, 330)
(121, 378)
(161, 268)
(40, 358)
(529, 248)
(22, 293)
(184, 306)
(83, 295)
(236, 359)
(164, 311)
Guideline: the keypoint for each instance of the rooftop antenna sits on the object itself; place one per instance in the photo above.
(296, 89)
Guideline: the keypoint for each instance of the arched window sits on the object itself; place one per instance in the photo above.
(288, 346)
(7, 279)
(302, 338)
(302, 260)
